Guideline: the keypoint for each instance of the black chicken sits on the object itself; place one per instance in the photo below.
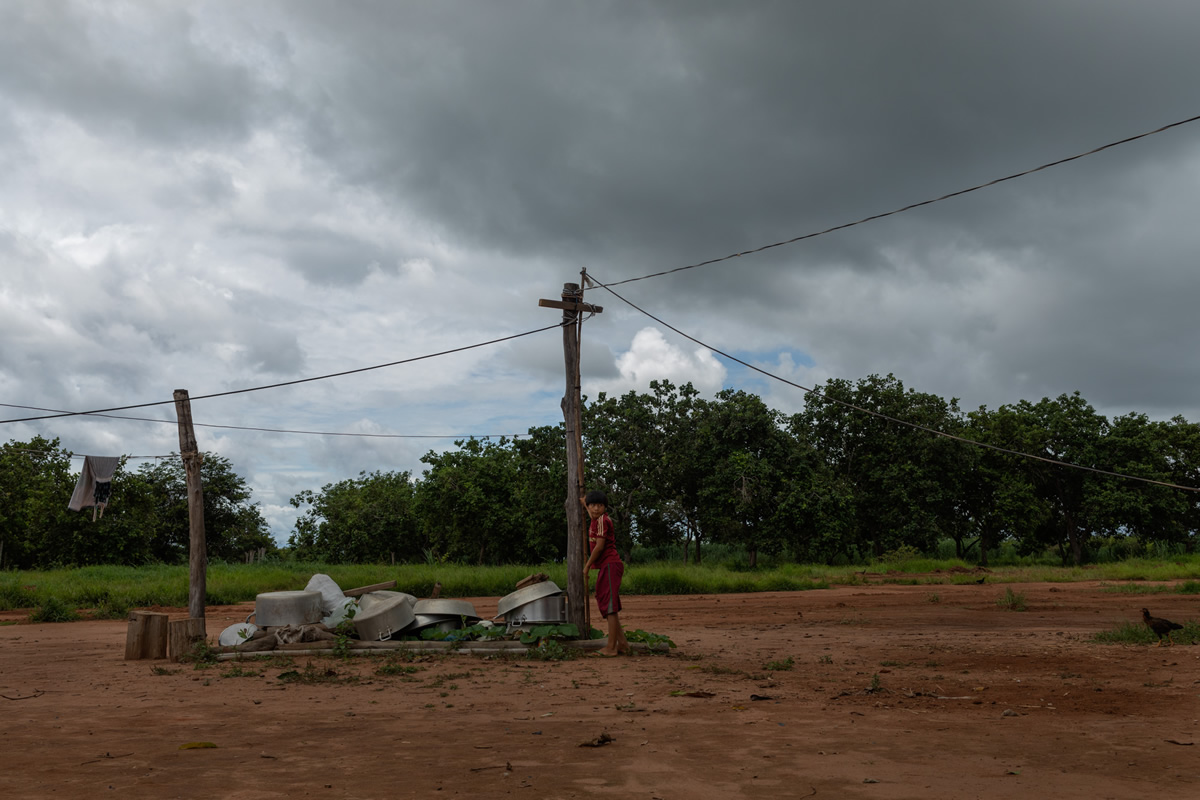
(1161, 627)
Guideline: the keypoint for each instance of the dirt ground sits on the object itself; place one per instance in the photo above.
(929, 691)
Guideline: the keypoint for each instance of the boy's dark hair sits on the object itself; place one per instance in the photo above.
(596, 496)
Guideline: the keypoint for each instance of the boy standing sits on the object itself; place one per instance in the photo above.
(608, 579)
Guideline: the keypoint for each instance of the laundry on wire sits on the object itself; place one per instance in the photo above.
(94, 486)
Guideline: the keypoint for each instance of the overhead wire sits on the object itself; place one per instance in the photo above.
(284, 430)
(909, 207)
(98, 411)
(880, 415)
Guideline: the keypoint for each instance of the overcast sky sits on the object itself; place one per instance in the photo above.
(220, 195)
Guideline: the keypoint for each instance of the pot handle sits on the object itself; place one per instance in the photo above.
(251, 614)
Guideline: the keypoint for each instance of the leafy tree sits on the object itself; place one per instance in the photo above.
(541, 488)
(1065, 429)
(364, 519)
(745, 449)
(468, 504)
(232, 524)
(901, 478)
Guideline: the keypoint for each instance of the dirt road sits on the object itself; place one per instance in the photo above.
(853, 692)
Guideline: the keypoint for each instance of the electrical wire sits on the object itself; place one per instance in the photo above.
(909, 207)
(282, 430)
(279, 430)
(917, 426)
(290, 383)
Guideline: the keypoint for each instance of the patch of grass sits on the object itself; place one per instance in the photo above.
(1188, 587)
(933, 597)
(202, 654)
(825, 659)
(550, 650)
(780, 666)
(653, 641)
(238, 671)
(1137, 588)
(1138, 633)
(1013, 601)
(312, 674)
(53, 610)
(163, 671)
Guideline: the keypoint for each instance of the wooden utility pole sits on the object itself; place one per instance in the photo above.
(197, 552)
(572, 305)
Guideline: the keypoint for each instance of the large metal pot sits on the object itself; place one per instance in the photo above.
(383, 618)
(371, 600)
(526, 595)
(439, 622)
(550, 610)
(445, 608)
(272, 609)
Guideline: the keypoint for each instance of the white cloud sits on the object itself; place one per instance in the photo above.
(651, 357)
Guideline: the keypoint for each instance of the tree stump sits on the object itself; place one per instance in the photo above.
(183, 633)
(146, 636)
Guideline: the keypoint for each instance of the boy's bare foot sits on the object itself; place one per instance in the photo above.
(605, 654)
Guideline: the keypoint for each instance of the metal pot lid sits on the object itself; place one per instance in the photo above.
(527, 594)
(450, 608)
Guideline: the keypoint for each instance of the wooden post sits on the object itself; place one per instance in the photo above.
(146, 635)
(182, 634)
(197, 553)
(572, 305)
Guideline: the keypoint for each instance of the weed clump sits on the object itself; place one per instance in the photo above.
(54, 610)
(1013, 601)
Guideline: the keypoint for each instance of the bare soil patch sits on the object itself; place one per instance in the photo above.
(892, 692)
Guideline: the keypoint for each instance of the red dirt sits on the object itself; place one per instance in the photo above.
(1089, 720)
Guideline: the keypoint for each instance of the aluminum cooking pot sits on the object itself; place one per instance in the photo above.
(441, 622)
(446, 608)
(371, 600)
(528, 594)
(383, 618)
(272, 609)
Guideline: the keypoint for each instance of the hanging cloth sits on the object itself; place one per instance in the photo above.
(94, 486)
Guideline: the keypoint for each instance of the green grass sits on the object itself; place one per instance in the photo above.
(1013, 601)
(1138, 633)
(111, 591)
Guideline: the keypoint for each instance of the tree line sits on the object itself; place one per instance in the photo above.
(146, 520)
(841, 479)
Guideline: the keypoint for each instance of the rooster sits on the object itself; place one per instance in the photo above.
(1161, 627)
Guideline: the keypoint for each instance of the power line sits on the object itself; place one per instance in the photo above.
(879, 415)
(276, 430)
(874, 217)
(291, 383)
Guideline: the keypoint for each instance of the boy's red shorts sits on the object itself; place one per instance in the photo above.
(608, 589)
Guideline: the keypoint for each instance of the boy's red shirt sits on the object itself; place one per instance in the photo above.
(609, 554)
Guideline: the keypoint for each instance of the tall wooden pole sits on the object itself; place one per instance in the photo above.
(197, 552)
(572, 306)
(576, 540)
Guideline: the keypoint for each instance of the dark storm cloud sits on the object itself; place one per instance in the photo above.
(120, 72)
(663, 133)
